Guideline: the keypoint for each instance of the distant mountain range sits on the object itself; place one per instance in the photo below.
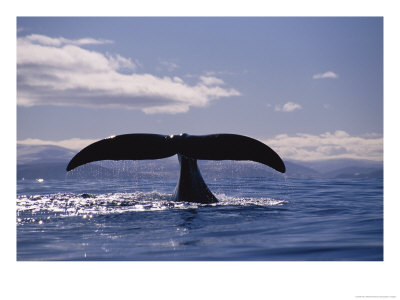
(50, 162)
(27, 154)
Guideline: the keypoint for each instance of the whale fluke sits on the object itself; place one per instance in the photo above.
(230, 147)
(139, 146)
(125, 147)
(190, 148)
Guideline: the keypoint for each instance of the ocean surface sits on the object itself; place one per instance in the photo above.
(257, 219)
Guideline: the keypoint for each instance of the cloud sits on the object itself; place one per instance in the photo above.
(74, 143)
(118, 62)
(328, 145)
(58, 71)
(168, 65)
(45, 40)
(211, 80)
(326, 75)
(214, 73)
(288, 107)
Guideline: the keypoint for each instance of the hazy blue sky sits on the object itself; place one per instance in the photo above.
(311, 88)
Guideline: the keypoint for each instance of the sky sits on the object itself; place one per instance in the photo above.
(311, 88)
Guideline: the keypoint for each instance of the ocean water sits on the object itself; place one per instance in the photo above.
(257, 219)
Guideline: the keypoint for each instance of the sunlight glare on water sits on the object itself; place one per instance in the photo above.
(115, 203)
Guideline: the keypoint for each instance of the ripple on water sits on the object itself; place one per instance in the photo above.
(87, 205)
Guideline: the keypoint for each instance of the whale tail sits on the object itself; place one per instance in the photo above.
(191, 186)
(141, 146)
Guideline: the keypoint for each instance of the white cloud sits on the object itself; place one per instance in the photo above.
(74, 143)
(288, 107)
(214, 73)
(211, 80)
(328, 145)
(168, 65)
(118, 62)
(57, 71)
(45, 40)
(326, 75)
(177, 79)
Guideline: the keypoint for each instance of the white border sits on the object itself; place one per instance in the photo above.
(199, 280)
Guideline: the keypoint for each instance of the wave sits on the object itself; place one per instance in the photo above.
(87, 205)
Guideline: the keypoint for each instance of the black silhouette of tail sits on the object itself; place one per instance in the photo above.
(140, 146)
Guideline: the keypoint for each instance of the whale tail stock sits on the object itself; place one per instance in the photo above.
(189, 148)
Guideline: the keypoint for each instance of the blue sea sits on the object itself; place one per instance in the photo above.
(256, 219)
